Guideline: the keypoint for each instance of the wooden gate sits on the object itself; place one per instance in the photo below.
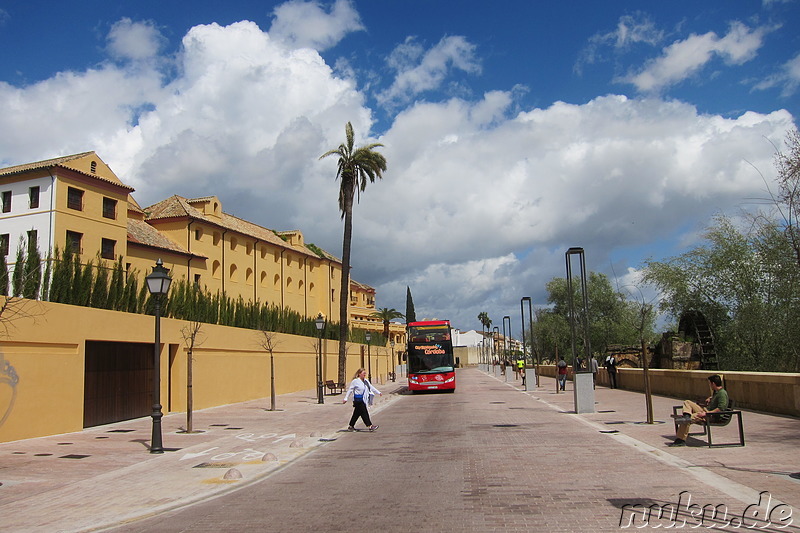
(118, 382)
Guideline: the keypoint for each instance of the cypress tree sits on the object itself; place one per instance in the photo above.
(46, 279)
(3, 277)
(33, 272)
(116, 288)
(99, 298)
(18, 277)
(411, 315)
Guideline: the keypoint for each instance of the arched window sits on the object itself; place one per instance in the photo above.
(233, 271)
(215, 268)
(248, 276)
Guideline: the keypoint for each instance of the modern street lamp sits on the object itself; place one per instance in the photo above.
(368, 336)
(583, 385)
(496, 331)
(507, 340)
(534, 352)
(394, 375)
(320, 324)
(158, 283)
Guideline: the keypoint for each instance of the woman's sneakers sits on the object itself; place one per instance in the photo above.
(350, 428)
(373, 427)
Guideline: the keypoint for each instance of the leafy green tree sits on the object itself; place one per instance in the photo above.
(356, 166)
(612, 317)
(386, 315)
(747, 285)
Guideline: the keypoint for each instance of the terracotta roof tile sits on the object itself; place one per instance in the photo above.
(141, 232)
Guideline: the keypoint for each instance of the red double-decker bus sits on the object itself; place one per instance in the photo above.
(430, 356)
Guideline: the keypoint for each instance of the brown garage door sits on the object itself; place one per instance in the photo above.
(118, 384)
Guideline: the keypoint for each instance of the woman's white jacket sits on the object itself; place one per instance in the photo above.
(363, 388)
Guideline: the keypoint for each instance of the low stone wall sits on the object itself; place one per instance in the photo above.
(770, 392)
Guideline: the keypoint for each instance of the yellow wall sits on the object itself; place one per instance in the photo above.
(771, 392)
(47, 351)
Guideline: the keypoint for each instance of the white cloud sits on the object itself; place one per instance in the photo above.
(682, 59)
(477, 206)
(788, 78)
(631, 30)
(301, 24)
(136, 41)
(419, 70)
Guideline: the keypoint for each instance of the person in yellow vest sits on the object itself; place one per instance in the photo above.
(521, 369)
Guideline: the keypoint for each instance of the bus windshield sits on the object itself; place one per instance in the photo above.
(430, 349)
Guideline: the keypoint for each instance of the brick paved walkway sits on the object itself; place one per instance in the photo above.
(518, 461)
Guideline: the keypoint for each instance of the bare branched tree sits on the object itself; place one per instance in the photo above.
(191, 337)
(268, 340)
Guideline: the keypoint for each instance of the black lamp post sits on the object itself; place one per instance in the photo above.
(368, 336)
(507, 340)
(534, 353)
(158, 283)
(391, 343)
(496, 331)
(320, 324)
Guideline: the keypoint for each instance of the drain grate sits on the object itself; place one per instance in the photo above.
(42, 454)
(121, 430)
(219, 425)
(64, 443)
(609, 431)
(216, 465)
(233, 428)
(18, 453)
(506, 425)
(615, 422)
(74, 456)
(608, 411)
(103, 437)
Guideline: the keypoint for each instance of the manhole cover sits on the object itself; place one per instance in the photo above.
(74, 456)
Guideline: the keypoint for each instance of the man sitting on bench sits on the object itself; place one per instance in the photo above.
(695, 414)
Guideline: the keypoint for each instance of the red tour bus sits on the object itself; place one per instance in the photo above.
(430, 356)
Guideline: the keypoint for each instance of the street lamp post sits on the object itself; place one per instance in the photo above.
(394, 375)
(583, 385)
(320, 324)
(534, 352)
(496, 331)
(368, 336)
(158, 283)
(530, 329)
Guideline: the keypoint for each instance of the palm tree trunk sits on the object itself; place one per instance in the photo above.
(344, 292)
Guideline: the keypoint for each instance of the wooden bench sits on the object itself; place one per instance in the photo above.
(720, 419)
(334, 388)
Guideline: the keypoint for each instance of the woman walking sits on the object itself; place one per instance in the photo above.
(363, 392)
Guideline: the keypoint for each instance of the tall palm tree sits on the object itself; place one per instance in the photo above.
(386, 315)
(485, 321)
(355, 167)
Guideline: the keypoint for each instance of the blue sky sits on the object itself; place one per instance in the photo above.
(513, 130)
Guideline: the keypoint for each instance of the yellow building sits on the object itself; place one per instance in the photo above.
(64, 367)
(78, 199)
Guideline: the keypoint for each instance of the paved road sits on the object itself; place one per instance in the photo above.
(487, 458)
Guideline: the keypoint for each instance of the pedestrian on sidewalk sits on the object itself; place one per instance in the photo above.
(562, 373)
(363, 394)
(694, 413)
(594, 373)
(611, 368)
